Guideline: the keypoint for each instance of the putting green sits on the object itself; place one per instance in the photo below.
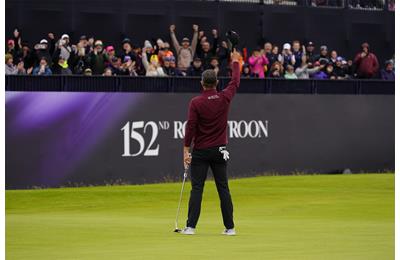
(291, 217)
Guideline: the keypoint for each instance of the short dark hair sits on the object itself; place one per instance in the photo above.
(214, 58)
(209, 78)
(43, 58)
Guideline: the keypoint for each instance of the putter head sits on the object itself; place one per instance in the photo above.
(177, 230)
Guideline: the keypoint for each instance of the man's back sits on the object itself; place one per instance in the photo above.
(208, 115)
(206, 127)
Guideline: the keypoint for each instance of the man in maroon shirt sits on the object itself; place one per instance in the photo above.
(206, 130)
(366, 63)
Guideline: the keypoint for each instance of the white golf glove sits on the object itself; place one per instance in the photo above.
(224, 152)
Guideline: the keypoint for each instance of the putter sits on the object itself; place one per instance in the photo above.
(180, 200)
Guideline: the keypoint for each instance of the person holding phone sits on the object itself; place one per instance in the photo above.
(366, 63)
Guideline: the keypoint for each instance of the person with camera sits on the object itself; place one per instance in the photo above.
(276, 71)
(79, 61)
(65, 50)
(287, 57)
(366, 63)
(98, 58)
(63, 47)
(128, 67)
(129, 50)
(42, 51)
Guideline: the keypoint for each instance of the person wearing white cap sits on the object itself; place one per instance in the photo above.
(65, 36)
(42, 51)
(286, 46)
(98, 44)
(64, 49)
(287, 57)
(147, 44)
(160, 43)
(98, 58)
(148, 48)
(64, 39)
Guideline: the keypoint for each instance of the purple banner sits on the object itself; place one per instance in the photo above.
(64, 138)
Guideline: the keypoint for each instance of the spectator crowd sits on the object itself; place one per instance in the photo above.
(188, 57)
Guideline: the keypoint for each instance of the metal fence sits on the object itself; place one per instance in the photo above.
(367, 5)
(327, 3)
(192, 85)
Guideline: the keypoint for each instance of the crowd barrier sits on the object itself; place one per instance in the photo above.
(77, 83)
(96, 138)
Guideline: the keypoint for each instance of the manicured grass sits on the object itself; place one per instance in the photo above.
(291, 217)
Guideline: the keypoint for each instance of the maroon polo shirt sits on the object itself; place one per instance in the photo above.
(208, 115)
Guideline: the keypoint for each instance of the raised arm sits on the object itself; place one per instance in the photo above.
(233, 85)
(173, 38)
(300, 70)
(292, 59)
(313, 70)
(215, 41)
(195, 38)
(52, 43)
(144, 60)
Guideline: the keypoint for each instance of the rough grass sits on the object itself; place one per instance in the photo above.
(287, 217)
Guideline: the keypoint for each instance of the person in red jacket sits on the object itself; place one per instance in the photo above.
(366, 63)
(206, 131)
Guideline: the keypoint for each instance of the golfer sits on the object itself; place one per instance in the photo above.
(206, 130)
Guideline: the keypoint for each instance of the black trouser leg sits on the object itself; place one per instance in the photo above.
(221, 180)
(198, 175)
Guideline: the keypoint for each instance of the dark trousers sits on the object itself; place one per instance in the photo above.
(202, 159)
